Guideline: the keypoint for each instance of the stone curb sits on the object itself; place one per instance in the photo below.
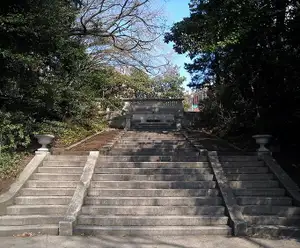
(7, 198)
(290, 186)
(237, 222)
(67, 225)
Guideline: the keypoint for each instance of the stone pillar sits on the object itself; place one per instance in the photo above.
(128, 122)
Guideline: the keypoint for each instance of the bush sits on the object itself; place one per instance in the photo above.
(9, 164)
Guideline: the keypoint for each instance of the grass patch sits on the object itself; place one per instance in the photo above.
(10, 164)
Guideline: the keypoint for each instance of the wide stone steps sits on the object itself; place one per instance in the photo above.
(15, 220)
(154, 230)
(240, 158)
(151, 184)
(152, 192)
(151, 171)
(246, 170)
(151, 158)
(56, 177)
(59, 163)
(45, 197)
(153, 210)
(61, 170)
(178, 220)
(239, 164)
(264, 205)
(37, 209)
(43, 200)
(50, 184)
(153, 201)
(155, 165)
(250, 177)
(158, 177)
(273, 220)
(47, 191)
(276, 231)
(151, 145)
(264, 200)
(254, 184)
(259, 192)
(20, 230)
(270, 210)
(154, 152)
(65, 158)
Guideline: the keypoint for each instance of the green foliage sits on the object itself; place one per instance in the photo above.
(250, 52)
(9, 164)
(15, 130)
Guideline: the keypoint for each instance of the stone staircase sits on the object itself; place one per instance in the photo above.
(264, 203)
(44, 199)
(145, 186)
(154, 183)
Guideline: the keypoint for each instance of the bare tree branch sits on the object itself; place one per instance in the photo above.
(122, 31)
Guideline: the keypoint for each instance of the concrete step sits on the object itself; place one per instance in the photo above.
(153, 201)
(239, 164)
(6, 231)
(152, 171)
(246, 170)
(204, 220)
(15, 220)
(43, 200)
(154, 230)
(152, 192)
(64, 163)
(128, 158)
(153, 210)
(184, 146)
(37, 209)
(250, 177)
(154, 184)
(279, 201)
(277, 231)
(260, 192)
(273, 220)
(50, 184)
(55, 177)
(155, 165)
(47, 191)
(149, 142)
(238, 158)
(62, 170)
(156, 152)
(254, 184)
(159, 177)
(71, 153)
(270, 210)
(68, 158)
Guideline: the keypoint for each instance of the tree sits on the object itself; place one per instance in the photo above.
(42, 68)
(169, 84)
(250, 51)
(122, 32)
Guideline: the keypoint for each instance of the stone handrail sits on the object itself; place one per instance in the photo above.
(67, 224)
(291, 187)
